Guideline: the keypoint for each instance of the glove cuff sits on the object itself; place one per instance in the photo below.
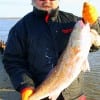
(27, 89)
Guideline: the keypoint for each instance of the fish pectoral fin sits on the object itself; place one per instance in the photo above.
(54, 95)
(85, 66)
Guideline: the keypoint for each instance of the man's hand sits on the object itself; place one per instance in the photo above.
(26, 93)
(95, 38)
(89, 13)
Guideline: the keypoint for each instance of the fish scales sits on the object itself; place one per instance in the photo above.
(73, 60)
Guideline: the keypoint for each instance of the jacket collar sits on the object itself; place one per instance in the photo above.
(43, 14)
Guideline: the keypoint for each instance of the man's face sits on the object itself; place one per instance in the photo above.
(46, 5)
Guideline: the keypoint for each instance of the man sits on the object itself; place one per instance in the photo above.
(34, 46)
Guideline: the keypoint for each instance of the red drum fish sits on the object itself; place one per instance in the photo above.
(73, 60)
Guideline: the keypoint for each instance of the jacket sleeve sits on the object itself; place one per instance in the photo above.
(96, 26)
(15, 59)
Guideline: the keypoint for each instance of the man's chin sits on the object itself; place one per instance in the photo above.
(45, 9)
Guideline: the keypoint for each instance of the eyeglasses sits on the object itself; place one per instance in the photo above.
(49, 0)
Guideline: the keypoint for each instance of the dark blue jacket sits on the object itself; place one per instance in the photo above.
(34, 45)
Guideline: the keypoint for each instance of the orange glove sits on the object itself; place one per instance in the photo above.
(89, 13)
(26, 93)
